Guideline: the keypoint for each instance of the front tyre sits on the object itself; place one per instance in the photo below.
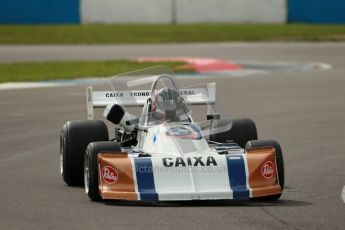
(74, 138)
(279, 160)
(240, 130)
(91, 182)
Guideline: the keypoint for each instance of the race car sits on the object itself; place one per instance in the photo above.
(162, 153)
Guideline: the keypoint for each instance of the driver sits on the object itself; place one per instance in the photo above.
(167, 104)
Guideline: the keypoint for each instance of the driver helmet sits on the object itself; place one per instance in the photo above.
(166, 104)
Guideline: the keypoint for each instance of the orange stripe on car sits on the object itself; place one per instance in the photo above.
(262, 171)
(116, 176)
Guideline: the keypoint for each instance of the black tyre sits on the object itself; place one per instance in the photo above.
(74, 138)
(91, 166)
(238, 130)
(279, 160)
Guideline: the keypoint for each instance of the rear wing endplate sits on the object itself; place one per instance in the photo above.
(137, 98)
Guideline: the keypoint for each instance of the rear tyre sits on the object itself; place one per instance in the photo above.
(239, 130)
(279, 159)
(91, 182)
(74, 138)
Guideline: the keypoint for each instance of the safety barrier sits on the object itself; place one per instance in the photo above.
(171, 11)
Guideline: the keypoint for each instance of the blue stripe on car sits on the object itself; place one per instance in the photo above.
(237, 176)
(145, 180)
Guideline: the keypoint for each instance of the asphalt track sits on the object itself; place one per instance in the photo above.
(305, 111)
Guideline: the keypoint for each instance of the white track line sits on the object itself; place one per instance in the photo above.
(26, 85)
(98, 81)
(254, 68)
(57, 83)
(343, 194)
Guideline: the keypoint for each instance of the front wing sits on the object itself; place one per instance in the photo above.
(233, 176)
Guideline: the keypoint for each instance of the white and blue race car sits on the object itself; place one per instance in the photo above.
(163, 154)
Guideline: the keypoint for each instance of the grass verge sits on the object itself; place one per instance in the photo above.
(64, 70)
(129, 34)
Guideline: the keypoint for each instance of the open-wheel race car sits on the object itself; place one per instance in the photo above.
(163, 154)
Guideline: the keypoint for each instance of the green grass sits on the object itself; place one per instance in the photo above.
(42, 71)
(127, 34)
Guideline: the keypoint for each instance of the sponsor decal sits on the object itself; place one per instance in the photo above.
(144, 93)
(267, 170)
(114, 94)
(189, 161)
(184, 132)
(140, 94)
(110, 175)
(187, 92)
(131, 94)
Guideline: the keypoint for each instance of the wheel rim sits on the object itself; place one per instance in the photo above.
(62, 143)
(86, 173)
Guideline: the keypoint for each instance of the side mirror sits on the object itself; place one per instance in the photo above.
(213, 116)
(114, 113)
(133, 121)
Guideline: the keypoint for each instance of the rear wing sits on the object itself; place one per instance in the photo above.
(137, 98)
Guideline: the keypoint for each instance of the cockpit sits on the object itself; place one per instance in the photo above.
(165, 104)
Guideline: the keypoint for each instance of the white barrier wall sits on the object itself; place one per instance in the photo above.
(183, 11)
(238, 11)
(125, 11)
